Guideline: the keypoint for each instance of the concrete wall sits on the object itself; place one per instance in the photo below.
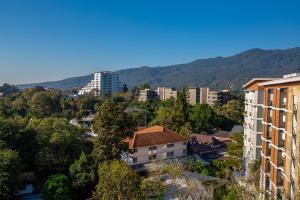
(143, 153)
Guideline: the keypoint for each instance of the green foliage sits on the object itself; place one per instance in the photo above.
(235, 151)
(203, 118)
(58, 144)
(174, 114)
(9, 171)
(16, 136)
(233, 111)
(8, 89)
(112, 126)
(82, 171)
(117, 181)
(57, 187)
(152, 189)
(82, 175)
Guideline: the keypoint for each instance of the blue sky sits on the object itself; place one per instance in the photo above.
(42, 40)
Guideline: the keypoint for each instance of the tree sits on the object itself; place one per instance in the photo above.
(110, 118)
(124, 88)
(8, 89)
(233, 111)
(58, 144)
(174, 114)
(112, 125)
(83, 177)
(117, 180)
(202, 117)
(57, 187)
(235, 151)
(16, 136)
(9, 170)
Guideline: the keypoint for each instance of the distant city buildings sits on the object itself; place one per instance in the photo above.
(103, 83)
(195, 95)
(166, 93)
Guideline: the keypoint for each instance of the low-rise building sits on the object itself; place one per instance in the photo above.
(153, 144)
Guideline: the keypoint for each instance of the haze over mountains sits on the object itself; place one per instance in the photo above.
(219, 73)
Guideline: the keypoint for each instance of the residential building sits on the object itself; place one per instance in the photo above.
(254, 99)
(147, 94)
(193, 95)
(166, 93)
(153, 144)
(208, 96)
(280, 139)
(203, 94)
(212, 97)
(103, 83)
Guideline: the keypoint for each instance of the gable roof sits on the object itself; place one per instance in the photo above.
(155, 135)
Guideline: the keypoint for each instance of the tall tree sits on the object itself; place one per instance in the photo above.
(112, 125)
(117, 180)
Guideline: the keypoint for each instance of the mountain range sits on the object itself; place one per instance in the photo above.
(218, 73)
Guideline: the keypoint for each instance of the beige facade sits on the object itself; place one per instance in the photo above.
(158, 152)
(166, 93)
(193, 95)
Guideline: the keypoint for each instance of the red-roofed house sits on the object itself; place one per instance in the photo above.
(155, 143)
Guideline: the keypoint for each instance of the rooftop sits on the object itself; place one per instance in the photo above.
(155, 135)
(289, 78)
(254, 80)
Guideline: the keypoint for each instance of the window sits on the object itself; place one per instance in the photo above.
(152, 157)
(152, 148)
(133, 150)
(170, 145)
(135, 160)
(170, 154)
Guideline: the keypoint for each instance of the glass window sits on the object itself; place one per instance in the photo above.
(170, 154)
(152, 157)
(153, 148)
(170, 145)
(135, 160)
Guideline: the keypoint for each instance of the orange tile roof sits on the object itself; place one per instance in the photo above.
(155, 135)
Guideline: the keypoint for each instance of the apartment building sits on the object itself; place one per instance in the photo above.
(166, 93)
(103, 83)
(208, 96)
(280, 138)
(253, 116)
(193, 95)
(153, 144)
(147, 94)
